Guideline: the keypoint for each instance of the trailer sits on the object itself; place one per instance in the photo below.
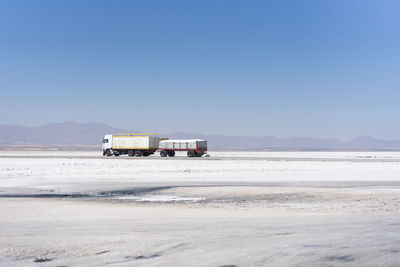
(132, 144)
(194, 147)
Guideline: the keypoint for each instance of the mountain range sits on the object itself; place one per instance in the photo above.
(73, 133)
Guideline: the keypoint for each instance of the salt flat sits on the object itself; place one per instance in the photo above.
(232, 209)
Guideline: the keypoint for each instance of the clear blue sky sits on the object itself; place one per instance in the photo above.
(283, 68)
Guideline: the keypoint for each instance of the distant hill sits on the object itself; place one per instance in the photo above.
(66, 133)
(72, 133)
(292, 143)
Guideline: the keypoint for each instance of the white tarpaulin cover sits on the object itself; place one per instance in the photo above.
(183, 144)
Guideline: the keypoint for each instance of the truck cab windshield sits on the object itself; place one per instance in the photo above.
(105, 141)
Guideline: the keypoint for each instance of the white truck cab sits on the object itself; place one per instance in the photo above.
(107, 143)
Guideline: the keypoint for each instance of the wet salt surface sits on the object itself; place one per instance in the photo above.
(159, 198)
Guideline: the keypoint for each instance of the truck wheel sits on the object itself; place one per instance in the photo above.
(131, 153)
(191, 154)
(138, 153)
(108, 153)
(171, 153)
(163, 153)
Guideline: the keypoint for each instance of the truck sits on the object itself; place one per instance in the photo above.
(142, 144)
(132, 144)
(194, 147)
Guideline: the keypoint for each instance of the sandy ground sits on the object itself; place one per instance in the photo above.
(232, 209)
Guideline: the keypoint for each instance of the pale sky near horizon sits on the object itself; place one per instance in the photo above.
(277, 68)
